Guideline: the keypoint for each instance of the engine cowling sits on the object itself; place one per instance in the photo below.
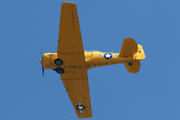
(48, 60)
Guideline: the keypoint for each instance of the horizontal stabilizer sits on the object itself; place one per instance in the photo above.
(129, 48)
(133, 66)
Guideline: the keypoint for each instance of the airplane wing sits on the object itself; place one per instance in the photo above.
(70, 50)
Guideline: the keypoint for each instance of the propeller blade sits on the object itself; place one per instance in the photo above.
(42, 70)
(40, 61)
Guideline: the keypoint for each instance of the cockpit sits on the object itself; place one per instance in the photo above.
(91, 51)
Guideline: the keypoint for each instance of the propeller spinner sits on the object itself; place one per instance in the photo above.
(40, 61)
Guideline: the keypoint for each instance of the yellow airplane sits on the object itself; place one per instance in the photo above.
(72, 62)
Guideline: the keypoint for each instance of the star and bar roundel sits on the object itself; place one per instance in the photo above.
(80, 107)
(107, 55)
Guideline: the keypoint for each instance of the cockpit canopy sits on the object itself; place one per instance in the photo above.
(91, 51)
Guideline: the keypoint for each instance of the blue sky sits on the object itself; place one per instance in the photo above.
(26, 27)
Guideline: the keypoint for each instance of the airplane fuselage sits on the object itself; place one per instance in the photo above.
(92, 59)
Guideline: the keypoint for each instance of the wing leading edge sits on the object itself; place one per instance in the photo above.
(70, 50)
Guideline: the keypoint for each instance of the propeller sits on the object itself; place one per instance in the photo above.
(42, 70)
(40, 61)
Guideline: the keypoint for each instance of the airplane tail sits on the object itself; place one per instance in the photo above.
(132, 66)
(140, 55)
(131, 49)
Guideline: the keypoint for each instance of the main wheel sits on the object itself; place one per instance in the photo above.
(58, 62)
(60, 70)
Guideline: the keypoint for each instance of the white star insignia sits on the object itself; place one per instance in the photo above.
(108, 55)
(80, 107)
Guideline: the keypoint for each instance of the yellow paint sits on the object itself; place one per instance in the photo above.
(93, 59)
(76, 61)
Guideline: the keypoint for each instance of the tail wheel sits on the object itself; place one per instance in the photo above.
(58, 62)
(60, 70)
(130, 63)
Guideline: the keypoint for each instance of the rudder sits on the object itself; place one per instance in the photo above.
(140, 55)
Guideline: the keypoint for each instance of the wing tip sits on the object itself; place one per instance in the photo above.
(66, 3)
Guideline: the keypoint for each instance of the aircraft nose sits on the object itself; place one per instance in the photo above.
(40, 61)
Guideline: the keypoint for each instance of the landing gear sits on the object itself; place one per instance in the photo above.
(60, 70)
(130, 63)
(58, 62)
